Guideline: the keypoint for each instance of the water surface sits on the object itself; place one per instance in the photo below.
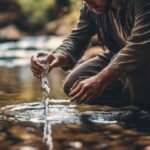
(24, 126)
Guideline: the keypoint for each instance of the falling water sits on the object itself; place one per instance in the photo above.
(46, 91)
(47, 137)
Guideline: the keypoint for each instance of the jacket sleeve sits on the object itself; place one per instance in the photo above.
(137, 50)
(76, 43)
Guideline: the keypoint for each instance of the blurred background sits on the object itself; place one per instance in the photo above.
(36, 17)
(27, 26)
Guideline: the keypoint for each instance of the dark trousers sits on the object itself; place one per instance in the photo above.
(134, 89)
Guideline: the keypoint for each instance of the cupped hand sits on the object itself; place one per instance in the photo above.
(38, 68)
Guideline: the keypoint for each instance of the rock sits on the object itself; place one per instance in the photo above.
(118, 142)
(120, 148)
(143, 142)
(5, 145)
(23, 134)
(83, 108)
(113, 127)
(129, 132)
(18, 147)
(2, 136)
(114, 137)
(102, 146)
(145, 138)
(10, 32)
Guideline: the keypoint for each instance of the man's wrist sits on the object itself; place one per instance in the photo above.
(63, 60)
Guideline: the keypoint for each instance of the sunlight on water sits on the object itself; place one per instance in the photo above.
(59, 111)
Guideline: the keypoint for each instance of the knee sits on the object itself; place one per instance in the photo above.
(70, 80)
(66, 87)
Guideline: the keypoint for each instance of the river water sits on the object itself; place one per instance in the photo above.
(67, 126)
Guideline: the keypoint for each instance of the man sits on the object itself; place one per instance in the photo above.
(123, 28)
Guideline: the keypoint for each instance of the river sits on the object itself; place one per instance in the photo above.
(23, 125)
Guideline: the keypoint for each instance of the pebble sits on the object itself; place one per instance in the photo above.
(129, 133)
(113, 127)
(23, 134)
(143, 142)
(2, 136)
(114, 137)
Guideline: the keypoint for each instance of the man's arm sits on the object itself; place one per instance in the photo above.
(137, 50)
(74, 46)
(135, 54)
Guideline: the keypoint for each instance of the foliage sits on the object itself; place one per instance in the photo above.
(39, 12)
(36, 10)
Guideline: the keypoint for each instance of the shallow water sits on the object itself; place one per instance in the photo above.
(24, 126)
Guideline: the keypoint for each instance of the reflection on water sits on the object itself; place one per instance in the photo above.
(47, 134)
(18, 85)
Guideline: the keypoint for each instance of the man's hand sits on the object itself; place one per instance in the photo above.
(87, 89)
(38, 68)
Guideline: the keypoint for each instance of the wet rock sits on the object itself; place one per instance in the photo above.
(83, 108)
(87, 137)
(23, 134)
(4, 125)
(145, 138)
(32, 145)
(120, 148)
(143, 142)
(76, 144)
(114, 137)
(5, 145)
(18, 147)
(102, 146)
(118, 142)
(113, 127)
(2, 136)
(107, 133)
(129, 133)
(72, 127)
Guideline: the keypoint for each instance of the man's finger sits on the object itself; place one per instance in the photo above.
(75, 84)
(78, 96)
(75, 90)
(36, 65)
(85, 96)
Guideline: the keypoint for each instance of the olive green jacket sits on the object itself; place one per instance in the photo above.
(126, 33)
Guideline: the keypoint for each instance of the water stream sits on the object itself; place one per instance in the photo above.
(47, 133)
